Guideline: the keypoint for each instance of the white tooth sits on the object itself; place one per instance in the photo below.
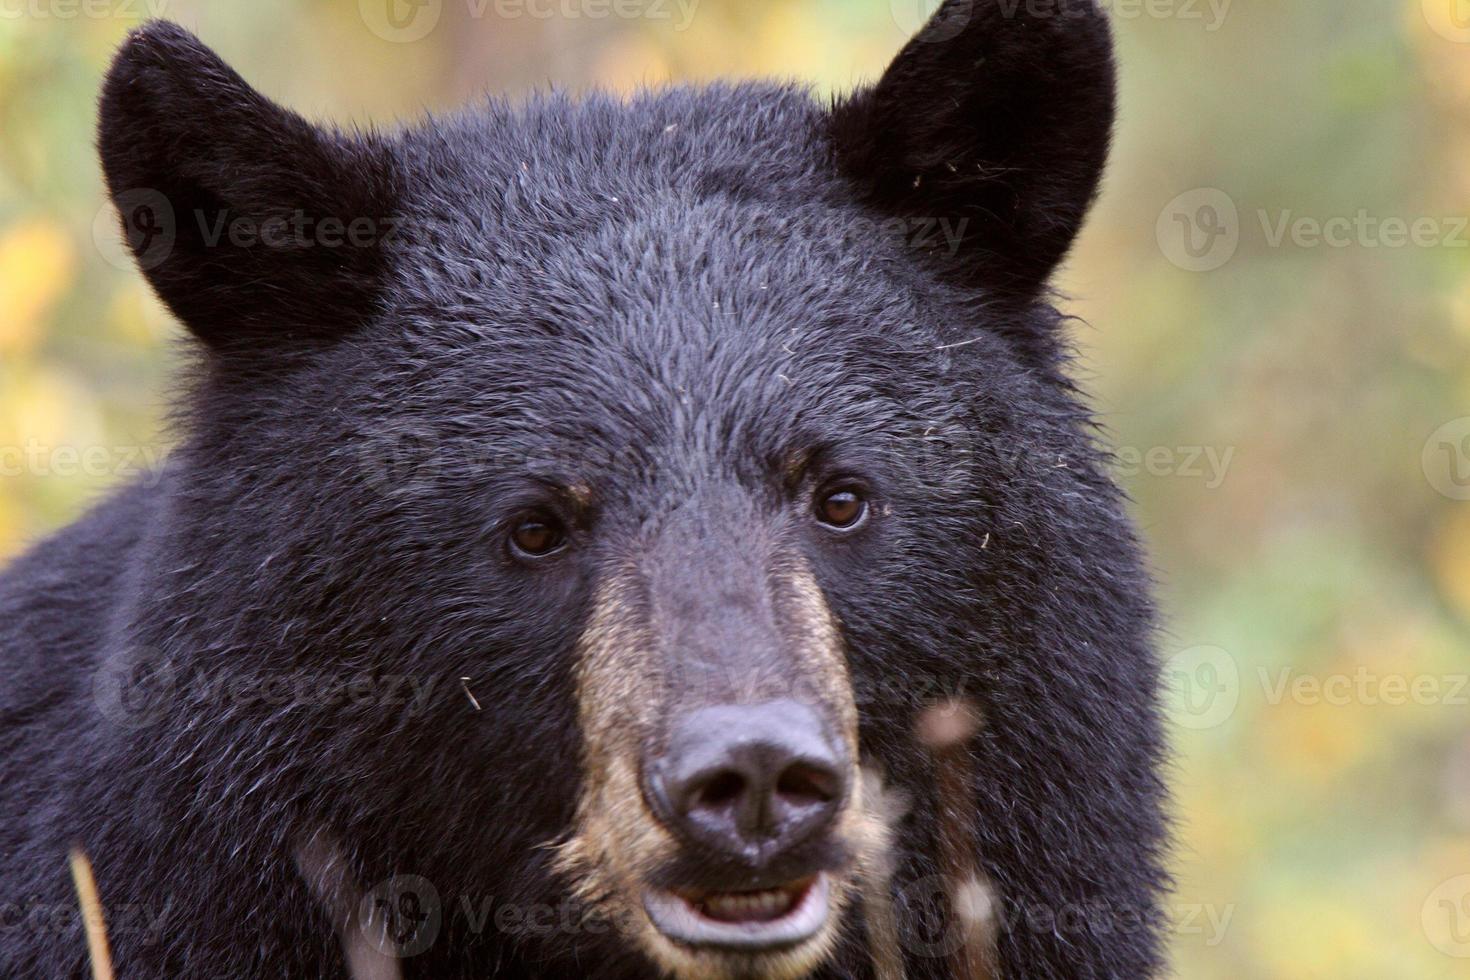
(767, 904)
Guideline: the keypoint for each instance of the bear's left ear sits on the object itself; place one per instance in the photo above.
(996, 118)
(259, 230)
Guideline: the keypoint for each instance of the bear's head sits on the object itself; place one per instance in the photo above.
(680, 449)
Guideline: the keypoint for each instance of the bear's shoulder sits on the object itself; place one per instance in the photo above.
(58, 599)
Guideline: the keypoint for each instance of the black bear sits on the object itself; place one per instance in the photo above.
(576, 508)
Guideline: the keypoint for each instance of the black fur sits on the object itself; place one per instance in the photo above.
(235, 197)
(999, 120)
(996, 115)
(659, 301)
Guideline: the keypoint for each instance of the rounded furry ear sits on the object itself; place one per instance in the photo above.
(255, 227)
(996, 118)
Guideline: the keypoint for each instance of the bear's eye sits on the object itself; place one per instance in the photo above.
(842, 509)
(538, 536)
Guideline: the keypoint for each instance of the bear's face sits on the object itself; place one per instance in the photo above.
(677, 450)
(675, 431)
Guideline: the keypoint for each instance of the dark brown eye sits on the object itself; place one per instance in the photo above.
(537, 537)
(842, 509)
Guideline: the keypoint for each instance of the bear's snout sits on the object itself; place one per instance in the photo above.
(750, 782)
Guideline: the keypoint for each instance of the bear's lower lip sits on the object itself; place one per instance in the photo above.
(742, 921)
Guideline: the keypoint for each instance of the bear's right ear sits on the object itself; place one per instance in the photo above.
(257, 229)
(996, 118)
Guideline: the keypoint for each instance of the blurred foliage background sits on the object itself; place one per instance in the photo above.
(1285, 369)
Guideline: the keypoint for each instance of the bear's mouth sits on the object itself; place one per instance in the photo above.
(742, 921)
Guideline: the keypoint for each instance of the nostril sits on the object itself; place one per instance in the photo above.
(720, 791)
(807, 785)
(749, 780)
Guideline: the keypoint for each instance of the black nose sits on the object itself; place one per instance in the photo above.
(750, 780)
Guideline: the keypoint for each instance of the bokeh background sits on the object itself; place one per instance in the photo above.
(1275, 320)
